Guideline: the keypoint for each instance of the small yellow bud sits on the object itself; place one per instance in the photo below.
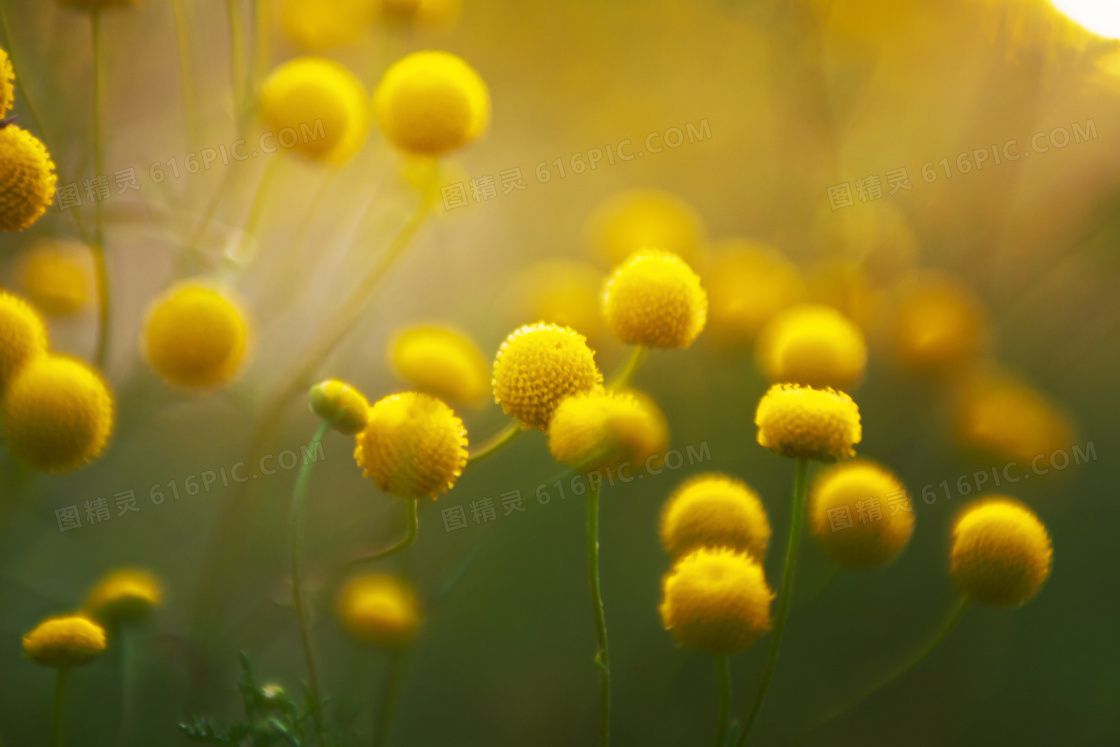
(339, 404)
(379, 609)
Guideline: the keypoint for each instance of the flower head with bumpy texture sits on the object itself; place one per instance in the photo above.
(23, 336)
(321, 104)
(600, 429)
(812, 345)
(430, 103)
(127, 595)
(413, 446)
(341, 405)
(27, 179)
(56, 278)
(879, 516)
(715, 510)
(655, 299)
(56, 414)
(537, 367)
(747, 284)
(195, 337)
(716, 601)
(1001, 552)
(642, 218)
(63, 642)
(7, 91)
(380, 609)
(802, 422)
(442, 362)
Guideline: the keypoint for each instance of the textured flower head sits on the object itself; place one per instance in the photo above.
(442, 362)
(799, 421)
(23, 336)
(316, 107)
(600, 429)
(63, 642)
(1001, 552)
(27, 179)
(940, 325)
(380, 609)
(413, 446)
(195, 336)
(715, 510)
(341, 405)
(56, 414)
(747, 284)
(430, 103)
(716, 601)
(641, 218)
(537, 367)
(126, 595)
(56, 277)
(7, 91)
(812, 345)
(655, 299)
(860, 514)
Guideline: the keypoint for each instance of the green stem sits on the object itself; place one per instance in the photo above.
(128, 682)
(404, 544)
(797, 520)
(626, 374)
(723, 675)
(496, 443)
(59, 694)
(390, 697)
(295, 543)
(101, 272)
(602, 658)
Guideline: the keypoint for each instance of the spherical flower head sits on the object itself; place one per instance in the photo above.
(56, 414)
(812, 345)
(715, 510)
(195, 337)
(62, 642)
(564, 292)
(341, 405)
(56, 278)
(23, 336)
(27, 179)
(941, 325)
(413, 446)
(655, 299)
(7, 90)
(124, 596)
(860, 514)
(716, 601)
(1001, 552)
(601, 429)
(641, 218)
(430, 103)
(748, 283)
(802, 422)
(320, 105)
(379, 609)
(315, 26)
(537, 367)
(442, 362)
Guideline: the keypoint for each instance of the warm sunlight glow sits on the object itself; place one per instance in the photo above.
(1099, 16)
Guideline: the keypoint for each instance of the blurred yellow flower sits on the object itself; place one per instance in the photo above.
(560, 291)
(1001, 552)
(860, 514)
(341, 405)
(123, 596)
(644, 219)
(600, 430)
(23, 336)
(379, 609)
(803, 422)
(315, 26)
(747, 284)
(7, 90)
(420, 14)
(27, 179)
(56, 277)
(442, 362)
(941, 326)
(62, 642)
(715, 510)
(655, 299)
(812, 345)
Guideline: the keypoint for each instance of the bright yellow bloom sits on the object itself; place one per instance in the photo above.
(442, 362)
(747, 284)
(7, 90)
(600, 430)
(56, 277)
(23, 336)
(655, 299)
(798, 421)
(941, 325)
(126, 595)
(314, 25)
(413, 446)
(380, 609)
(430, 103)
(316, 107)
(27, 179)
(812, 345)
(340, 404)
(195, 337)
(877, 509)
(1001, 552)
(716, 601)
(715, 510)
(537, 367)
(564, 292)
(63, 642)
(56, 414)
(640, 219)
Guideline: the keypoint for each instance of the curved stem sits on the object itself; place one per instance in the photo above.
(797, 520)
(496, 443)
(97, 246)
(602, 658)
(299, 598)
(723, 675)
(404, 544)
(624, 376)
(389, 697)
(59, 694)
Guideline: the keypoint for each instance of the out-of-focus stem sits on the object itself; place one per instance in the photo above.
(602, 658)
(390, 696)
(398, 547)
(633, 363)
(496, 443)
(723, 676)
(97, 246)
(59, 696)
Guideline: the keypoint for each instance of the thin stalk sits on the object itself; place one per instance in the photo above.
(236, 257)
(723, 675)
(602, 658)
(97, 246)
(626, 375)
(128, 682)
(236, 56)
(398, 547)
(496, 443)
(59, 695)
(389, 697)
(186, 74)
(797, 520)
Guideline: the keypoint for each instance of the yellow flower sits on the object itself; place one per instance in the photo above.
(380, 609)
(314, 25)
(600, 430)
(7, 91)
(940, 325)
(413, 446)
(340, 404)
(716, 601)
(747, 284)
(62, 642)
(195, 337)
(317, 108)
(879, 516)
(126, 595)
(561, 291)
(715, 510)
(812, 345)
(56, 414)
(442, 362)
(27, 179)
(798, 421)
(537, 367)
(655, 299)
(1001, 552)
(430, 103)
(23, 336)
(56, 278)
(644, 219)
